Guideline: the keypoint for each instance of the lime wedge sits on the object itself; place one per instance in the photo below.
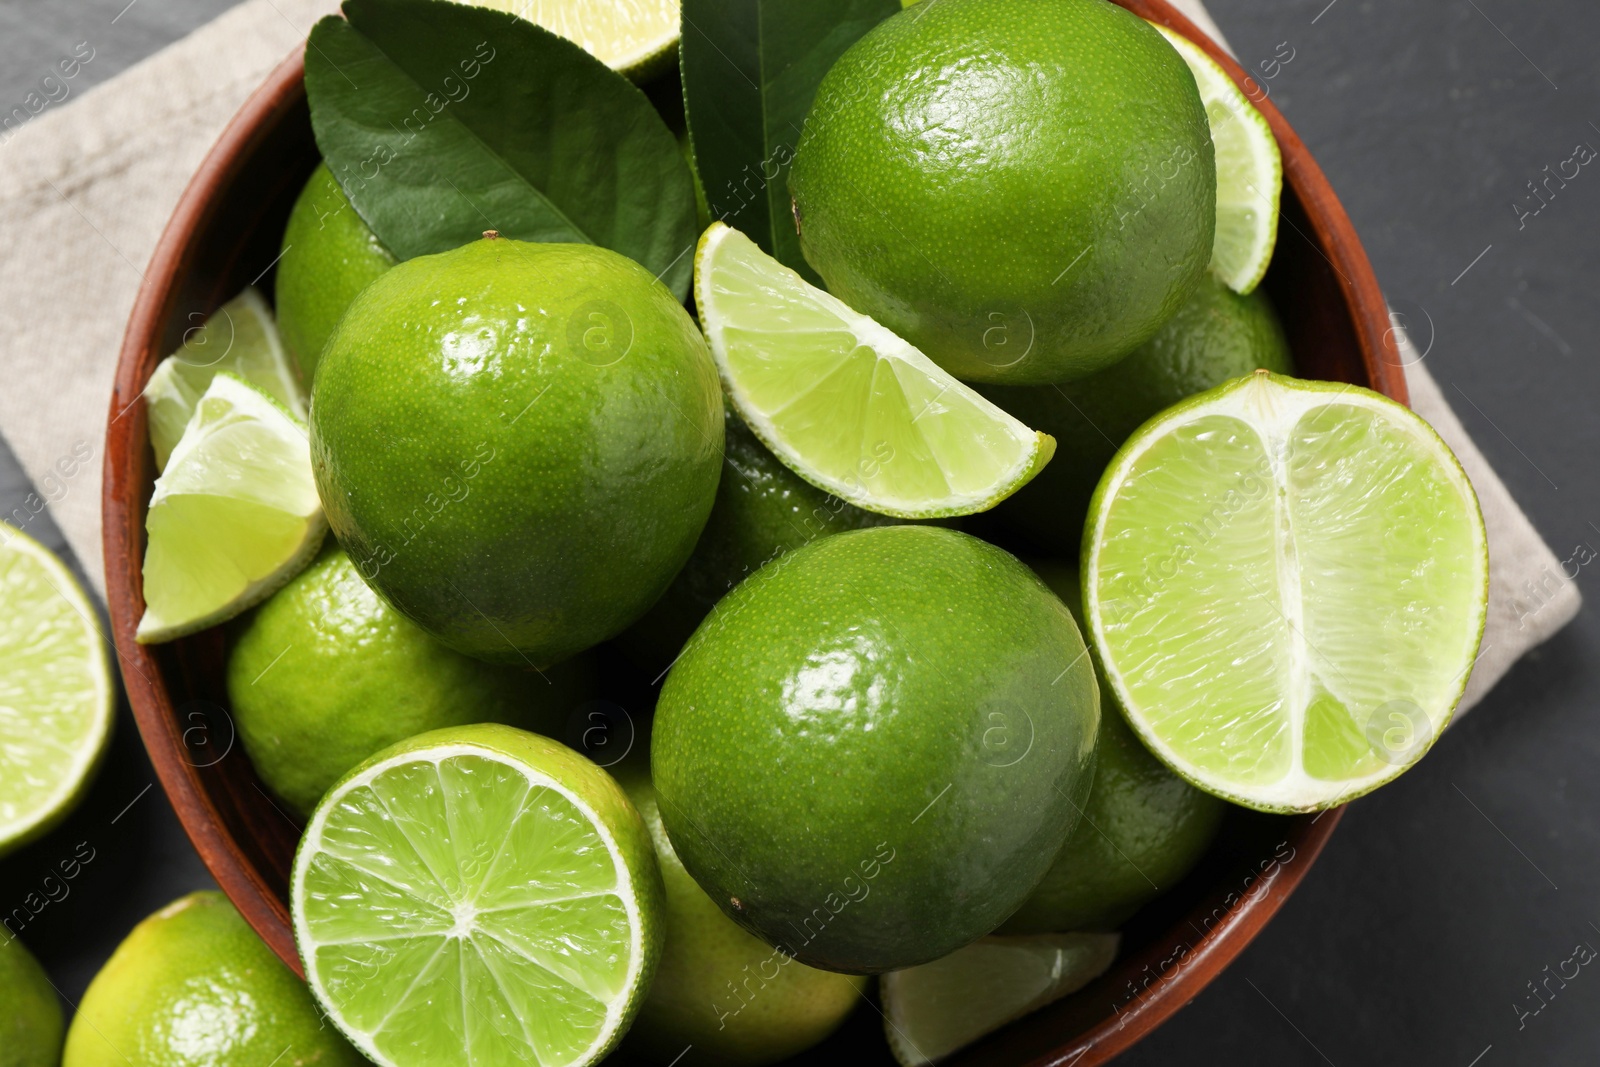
(478, 895)
(843, 402)
(932, 1010)
(635, 37)
(234, 516)
(239, 337)
(55, 690)
(1286, 582)
(1249, 172)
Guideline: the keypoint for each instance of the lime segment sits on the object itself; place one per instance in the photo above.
(1286, 582)
(234, 515)
(55, 690)
(478, 895)
(846, 404)
(239, 337)
(632, 36)
(932, 1010)
(1249, 172)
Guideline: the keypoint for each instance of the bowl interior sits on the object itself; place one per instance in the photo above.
(226, 235)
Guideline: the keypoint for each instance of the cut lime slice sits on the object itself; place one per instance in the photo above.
(234, 516)
(1286, 582)
(239, 337)
(55, 690)
(932, 1010)
(843, 402)
(634, 37)
(478, 895)
(1249, 172)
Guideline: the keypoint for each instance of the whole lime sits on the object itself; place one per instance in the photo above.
(329, 255)
(737, 1000)
(326, 673)
(193, 986)
(1143, 827)
(763, 510)
(1025, 190)
(518, 444)
(1216, 335)
(869, 753)
(30, 1012)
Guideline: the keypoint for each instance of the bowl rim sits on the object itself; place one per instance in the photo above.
(124, 494)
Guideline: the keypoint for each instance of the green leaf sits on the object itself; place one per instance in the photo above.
(442, 120)
(750, 71)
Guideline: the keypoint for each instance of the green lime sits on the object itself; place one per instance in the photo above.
(1215, 336)
(478, 895)
(638, 38)
(193, 986)
(239, 337)
(326, 673)
(55, 691)
(763, 510)
(234, 515)
(518, 444)
(1249, 172)
(31, 1026)
(1025, 191)
(329, 255)
(869, 753)
(932, 1010)
(1143, 827)
(736, 1000)
(846, 404)
(1286, 583)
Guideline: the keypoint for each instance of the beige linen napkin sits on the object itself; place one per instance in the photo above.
(85, 190)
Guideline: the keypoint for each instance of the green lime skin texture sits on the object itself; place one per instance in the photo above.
(872, 749)
(763, 510)
(31, 1026)
(193, 986)
(326, 673)
(1023, 189)
(329, 255)
(739, 1001)
(518, 444)
(1216, 336)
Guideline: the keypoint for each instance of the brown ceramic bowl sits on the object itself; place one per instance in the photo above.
(225, 234)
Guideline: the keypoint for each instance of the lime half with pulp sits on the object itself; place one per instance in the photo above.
(1249, 172)
(636, 37)
(234, 515)
(55, 690)
(478, 895)
(239, 337)
(846, 404)
(1286, 583)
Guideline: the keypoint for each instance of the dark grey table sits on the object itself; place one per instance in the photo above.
(1443, 896)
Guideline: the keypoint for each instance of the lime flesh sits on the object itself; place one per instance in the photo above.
(636, 37)
(234, 515)
(1249, 172)
(478, 895)
(847, 405)
(55, 690)
(1286, 583)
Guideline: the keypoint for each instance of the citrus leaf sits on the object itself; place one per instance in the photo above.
(441, 121)
(750, 71)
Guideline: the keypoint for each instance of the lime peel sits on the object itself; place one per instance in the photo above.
(847, 404)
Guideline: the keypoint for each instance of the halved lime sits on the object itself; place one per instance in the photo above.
(1249, 172)
(1286, 582)
(55, 690)
(234, 516)
(846, 404)
(932, 1010)
(241, 337)
(478, 895)
(635, 37)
